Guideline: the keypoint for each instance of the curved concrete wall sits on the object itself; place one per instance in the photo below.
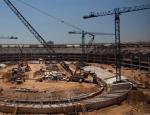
(115, 96)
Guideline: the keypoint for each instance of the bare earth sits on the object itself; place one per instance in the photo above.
(134, 105)
(61, 88)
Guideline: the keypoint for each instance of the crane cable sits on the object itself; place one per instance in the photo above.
(49, 15)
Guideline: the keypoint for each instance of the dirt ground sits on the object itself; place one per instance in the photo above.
(134, 105)
(138, 76)
(61, 88)
(41, 85)
(136, 101)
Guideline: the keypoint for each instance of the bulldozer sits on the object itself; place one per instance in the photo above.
(18, 76)
(15, 75)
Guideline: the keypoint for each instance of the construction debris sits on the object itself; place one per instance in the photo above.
(3, 65)
(25, 90)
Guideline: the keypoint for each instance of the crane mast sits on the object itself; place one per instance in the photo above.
(92, 34)
(35, 33)
(117, 12)
(83, 33)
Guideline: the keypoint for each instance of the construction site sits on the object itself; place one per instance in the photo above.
(75, 79)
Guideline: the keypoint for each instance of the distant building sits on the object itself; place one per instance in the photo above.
(50, 42)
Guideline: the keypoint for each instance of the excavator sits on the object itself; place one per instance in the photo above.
(18, 75)
(37, 35)
(73, 75)
(23, 61)
(80, 75)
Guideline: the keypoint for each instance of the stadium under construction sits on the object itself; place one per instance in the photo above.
(75, 79)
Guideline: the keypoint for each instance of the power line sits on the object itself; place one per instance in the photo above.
(49, 15)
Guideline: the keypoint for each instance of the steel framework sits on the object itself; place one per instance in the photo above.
(92, 34)
(117, 12)
(36, 34)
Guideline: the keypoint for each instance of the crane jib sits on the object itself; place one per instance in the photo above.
(35, 33)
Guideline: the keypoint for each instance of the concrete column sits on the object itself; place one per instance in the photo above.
(139, 62)
(148, 64)
(131, 61)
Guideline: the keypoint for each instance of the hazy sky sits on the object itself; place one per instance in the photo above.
(135, 26)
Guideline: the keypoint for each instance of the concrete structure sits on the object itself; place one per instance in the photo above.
(116, 94)
(134, 55)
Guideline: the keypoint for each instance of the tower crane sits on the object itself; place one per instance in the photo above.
(11, 37)
(82, 75)
(21, 52)
(83, 33)
(92, 34)
(117, 12)
(36, 34)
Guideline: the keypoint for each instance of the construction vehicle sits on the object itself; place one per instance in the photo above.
(42, 41)
(117, 12)
(36, 34)
(80, 75)
(83, 77)
(17, 75)
(77, 77)
(24, 63)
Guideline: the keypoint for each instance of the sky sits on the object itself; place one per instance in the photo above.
(135, 26)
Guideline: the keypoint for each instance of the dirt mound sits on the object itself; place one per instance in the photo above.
(135, 97)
